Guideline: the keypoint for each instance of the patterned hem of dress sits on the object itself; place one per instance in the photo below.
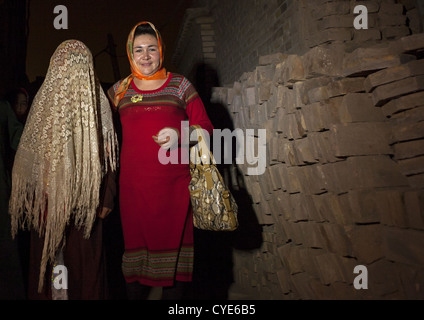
(158, 268)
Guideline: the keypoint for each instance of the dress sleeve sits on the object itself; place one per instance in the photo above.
(195, 108)
(197, 115)
(111, 94)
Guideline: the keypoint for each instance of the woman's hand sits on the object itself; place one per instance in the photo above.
(167, 138)
(104, 212)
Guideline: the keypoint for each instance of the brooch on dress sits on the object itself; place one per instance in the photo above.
(137, 98)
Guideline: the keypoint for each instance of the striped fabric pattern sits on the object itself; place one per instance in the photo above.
(157, 266)
(179, 92)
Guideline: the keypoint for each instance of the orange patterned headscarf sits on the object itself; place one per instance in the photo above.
(135, 71)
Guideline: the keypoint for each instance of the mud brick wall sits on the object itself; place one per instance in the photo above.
(245, 30)
(344, 184)
(343, 110)
(196, 42)
(332, 21)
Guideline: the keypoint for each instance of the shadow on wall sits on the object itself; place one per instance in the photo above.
(213, 264)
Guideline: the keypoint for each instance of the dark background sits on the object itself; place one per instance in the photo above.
(28, 37)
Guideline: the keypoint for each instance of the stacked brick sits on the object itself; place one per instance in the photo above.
(248, 29)
(343, 111)
(330, 21)
(344, 183)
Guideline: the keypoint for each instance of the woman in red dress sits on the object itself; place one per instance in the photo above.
(154, 197)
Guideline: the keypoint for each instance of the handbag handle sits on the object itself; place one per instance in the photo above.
(203, 152)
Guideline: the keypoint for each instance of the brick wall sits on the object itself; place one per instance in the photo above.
(244, 30)
(196, 30)
(343, 111)
(247, 29)
(344, 184)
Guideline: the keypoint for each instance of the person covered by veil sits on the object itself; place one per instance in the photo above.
(63, 176)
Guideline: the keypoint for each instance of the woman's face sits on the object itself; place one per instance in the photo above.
(146, 54)
(21, 105)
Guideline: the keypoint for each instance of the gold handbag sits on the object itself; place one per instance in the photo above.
(214, 207)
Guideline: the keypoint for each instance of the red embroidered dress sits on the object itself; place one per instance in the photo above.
(154, 198)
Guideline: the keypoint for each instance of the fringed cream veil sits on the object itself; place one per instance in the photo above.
(67, 146)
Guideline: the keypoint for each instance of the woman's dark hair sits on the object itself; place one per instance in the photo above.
(144, 29)
(147, 29)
